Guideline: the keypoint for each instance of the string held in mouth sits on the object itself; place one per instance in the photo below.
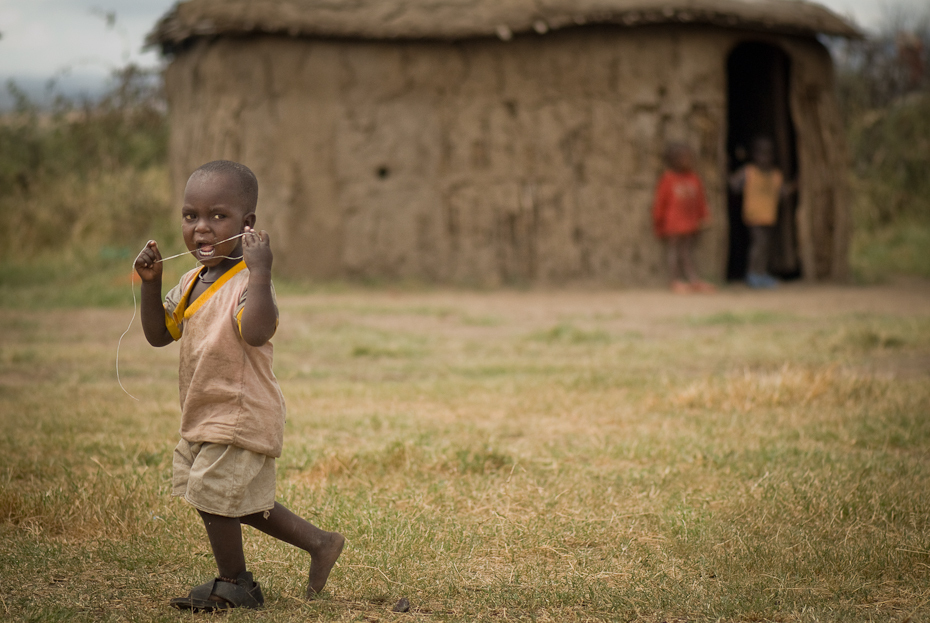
(171, 257)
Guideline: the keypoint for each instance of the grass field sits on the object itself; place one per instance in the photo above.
(500, 456)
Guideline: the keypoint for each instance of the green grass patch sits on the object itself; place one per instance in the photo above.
(569, 334)
(735, 318)
(104, 279)
(899, 248)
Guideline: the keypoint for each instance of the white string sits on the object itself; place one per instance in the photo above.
(171, 257)
(119, 343)
(135, 304)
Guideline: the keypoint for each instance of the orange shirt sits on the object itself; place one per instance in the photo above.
(680, 206)
(761, 192)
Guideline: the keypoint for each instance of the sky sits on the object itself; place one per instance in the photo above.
(79, 42)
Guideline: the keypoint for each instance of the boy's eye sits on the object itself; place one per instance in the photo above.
(217, 216)
(188, 217)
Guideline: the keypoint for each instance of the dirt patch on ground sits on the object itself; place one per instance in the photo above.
(586, 316)
(630, 309)
(872, 322)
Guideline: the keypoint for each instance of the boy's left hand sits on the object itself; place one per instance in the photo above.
(256, 250)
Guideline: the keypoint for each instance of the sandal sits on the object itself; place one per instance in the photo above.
(243, 594)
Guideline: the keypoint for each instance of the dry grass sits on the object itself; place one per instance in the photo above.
(496, 457)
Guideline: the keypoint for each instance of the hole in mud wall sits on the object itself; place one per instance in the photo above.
(383, 172)
(511, 107)
(758, 82)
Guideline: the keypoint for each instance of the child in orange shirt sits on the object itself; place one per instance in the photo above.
(763, 187)
(679, 212)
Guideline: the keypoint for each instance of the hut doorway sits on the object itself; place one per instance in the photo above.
(758, 82)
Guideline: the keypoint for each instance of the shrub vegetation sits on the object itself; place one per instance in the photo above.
(884, 90)
(82, 187)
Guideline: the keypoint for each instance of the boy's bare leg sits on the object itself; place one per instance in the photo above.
(687, 259)
(225, 535)
(324, 547)
(761, 241)
(673, 257)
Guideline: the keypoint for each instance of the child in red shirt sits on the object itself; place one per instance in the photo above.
(679, 212)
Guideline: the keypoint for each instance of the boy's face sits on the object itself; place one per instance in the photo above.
(213, 211)
(763, 154)
(682, 160)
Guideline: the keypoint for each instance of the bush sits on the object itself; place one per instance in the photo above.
(889, 148)
(883, 86)
(85, 175)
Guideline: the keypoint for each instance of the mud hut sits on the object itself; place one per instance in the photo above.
(506, 141)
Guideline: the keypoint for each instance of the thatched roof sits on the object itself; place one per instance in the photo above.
(462, 19)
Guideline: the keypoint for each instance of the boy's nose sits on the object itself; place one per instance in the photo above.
(202, 225)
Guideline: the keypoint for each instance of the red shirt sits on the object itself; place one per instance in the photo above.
(680, 206)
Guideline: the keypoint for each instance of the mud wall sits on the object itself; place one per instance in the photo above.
(483, 162)
(824, 223)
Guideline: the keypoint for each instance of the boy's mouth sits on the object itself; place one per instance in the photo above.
(205, 250)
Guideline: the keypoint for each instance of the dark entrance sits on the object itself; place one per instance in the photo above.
(757, 89)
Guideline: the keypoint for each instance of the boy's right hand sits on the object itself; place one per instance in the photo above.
(147, 263)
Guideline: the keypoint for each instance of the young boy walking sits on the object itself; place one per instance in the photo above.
(232, 411)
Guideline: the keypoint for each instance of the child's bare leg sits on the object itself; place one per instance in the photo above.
(324, 547)
(680, 280)
(673, 257)
(686, 246)
(225, 536)
(761, 241)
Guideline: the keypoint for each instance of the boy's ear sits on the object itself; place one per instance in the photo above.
(249, 220)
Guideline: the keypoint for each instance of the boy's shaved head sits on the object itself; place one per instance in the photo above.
(678, 155)
(240, 174)
(763, 151)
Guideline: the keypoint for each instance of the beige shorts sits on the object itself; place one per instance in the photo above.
(223, 480)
